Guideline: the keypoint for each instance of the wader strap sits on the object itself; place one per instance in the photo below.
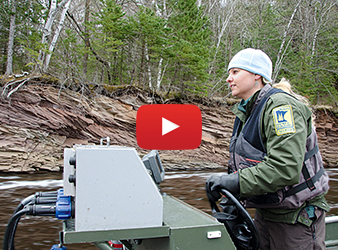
(308, 179)
(309, 182)
(304, 185)
(305, 171)
(311, 153)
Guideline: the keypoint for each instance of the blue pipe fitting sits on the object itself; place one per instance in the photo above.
(63, 209)
(58, 247)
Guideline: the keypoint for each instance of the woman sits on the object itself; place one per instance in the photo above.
(275, 165)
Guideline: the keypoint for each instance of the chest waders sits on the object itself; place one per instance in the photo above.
(247, 150)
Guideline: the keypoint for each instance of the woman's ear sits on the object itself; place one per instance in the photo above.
(257, 77)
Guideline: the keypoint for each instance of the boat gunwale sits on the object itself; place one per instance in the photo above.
(331, 219)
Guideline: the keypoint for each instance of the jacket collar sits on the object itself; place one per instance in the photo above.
(252, 104)
(262, 92)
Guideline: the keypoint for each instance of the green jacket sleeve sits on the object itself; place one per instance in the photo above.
(285, 146)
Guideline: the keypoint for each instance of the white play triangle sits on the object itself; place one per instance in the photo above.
(168, 126)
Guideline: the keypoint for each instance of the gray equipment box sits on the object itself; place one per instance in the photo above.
(112, 189)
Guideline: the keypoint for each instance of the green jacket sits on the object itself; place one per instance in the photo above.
(285, 153)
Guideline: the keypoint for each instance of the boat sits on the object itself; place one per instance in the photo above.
(111, 195)
(331, 237)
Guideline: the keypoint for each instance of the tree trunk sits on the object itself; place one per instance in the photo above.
(141, 66)
(224, 19)
(56, 36)
(3, 64)
(159, 73)
(86, 37)
(148, 64)
(47, 28)
(322, 21)
(53, 11)
(280, 54)
(80, 32)
(9, 68)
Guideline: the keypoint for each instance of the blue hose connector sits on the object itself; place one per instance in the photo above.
(58, 247)
(63, 209)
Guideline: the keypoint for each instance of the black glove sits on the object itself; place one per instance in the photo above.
(215, 183)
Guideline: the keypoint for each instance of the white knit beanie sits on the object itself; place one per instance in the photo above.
(254, 61)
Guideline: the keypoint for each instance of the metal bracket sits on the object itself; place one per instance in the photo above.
(105, 139)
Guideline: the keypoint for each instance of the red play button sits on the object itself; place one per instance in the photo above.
(168, 126)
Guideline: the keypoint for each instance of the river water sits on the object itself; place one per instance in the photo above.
(43, 232)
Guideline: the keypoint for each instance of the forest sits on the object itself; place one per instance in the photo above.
(173, 47)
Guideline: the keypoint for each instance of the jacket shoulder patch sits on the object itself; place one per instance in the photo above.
(283, 120)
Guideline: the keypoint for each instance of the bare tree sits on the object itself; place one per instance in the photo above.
(222, 14)
(9, 68)
(54, 9)
(80, 32)
(320, 19)
(160, 71)
(283, 49)
(56, 36)
(86, 36)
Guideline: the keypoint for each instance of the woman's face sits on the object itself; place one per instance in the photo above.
(243, 83)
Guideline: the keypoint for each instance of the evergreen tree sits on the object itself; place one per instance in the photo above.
(107, 35)
(28, 17)
(190, 52)
(150, 34)
(181, 45)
